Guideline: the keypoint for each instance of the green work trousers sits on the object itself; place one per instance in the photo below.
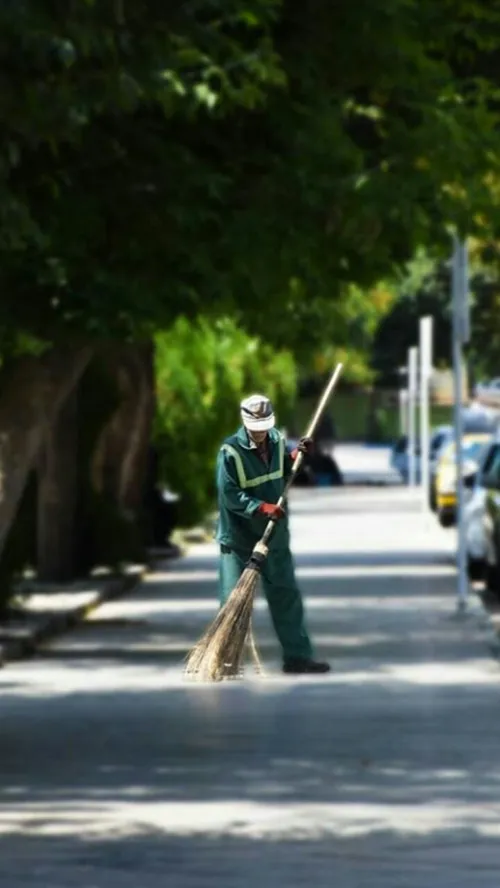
(282, 594)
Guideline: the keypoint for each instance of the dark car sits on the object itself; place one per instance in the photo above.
(319, 468)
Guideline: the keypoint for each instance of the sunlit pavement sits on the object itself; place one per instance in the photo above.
(362, 464)
(385, 774)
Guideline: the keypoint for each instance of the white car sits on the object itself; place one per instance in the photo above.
(475, 536)
(475, 518)
(488, 393)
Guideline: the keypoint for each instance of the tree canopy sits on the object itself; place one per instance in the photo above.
(425, 289)
(255, 157)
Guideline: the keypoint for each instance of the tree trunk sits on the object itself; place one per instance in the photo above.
(31, 395)
(135, 458)
(119, 464)
(57, 496)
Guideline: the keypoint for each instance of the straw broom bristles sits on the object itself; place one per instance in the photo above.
(220, 651)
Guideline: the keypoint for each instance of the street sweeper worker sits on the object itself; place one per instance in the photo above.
(252, 468)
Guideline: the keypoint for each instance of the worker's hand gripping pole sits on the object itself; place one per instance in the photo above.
(260, 550)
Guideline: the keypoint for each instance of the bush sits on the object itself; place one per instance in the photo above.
(203, 369)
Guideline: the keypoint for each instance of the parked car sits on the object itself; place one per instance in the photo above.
(476, 421)
(439, 440)
(319, 467)
(400, 458)
(475, 521)
(446, 474)
(489, 392)
(490, 481)
(479, 418)
(475, 533)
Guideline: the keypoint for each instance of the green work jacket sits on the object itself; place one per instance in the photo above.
(244, 481)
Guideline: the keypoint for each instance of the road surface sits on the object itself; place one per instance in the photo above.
(116, 773)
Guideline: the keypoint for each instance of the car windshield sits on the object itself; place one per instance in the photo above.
(437, 442)
(470, 450)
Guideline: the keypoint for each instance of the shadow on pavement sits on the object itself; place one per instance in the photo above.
(331, 560)
(453, 857)
(242, 783)
(384, 774)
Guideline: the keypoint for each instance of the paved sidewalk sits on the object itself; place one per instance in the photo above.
(385, 774)
(45, 610)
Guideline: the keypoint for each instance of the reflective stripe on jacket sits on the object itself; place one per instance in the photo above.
(244, 481)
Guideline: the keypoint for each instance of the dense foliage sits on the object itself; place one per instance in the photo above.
(248, 155)
(424, 287)
(203, 370)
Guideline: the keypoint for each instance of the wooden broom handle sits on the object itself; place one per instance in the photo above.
(300, 456)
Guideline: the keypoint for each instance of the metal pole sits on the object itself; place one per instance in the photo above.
(412, 397)
(409, 409)
(460, 335)
(425, 374)
(402, 411)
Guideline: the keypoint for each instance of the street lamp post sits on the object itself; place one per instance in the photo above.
(403, 400)
(412, 399)
(425, 377)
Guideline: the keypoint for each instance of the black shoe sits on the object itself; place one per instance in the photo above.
(298, 666)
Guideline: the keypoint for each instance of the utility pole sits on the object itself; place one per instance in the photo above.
(460, 336)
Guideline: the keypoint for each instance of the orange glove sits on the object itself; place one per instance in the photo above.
(272, 511)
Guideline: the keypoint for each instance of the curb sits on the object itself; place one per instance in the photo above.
(58, 624)
(482, 612)
(477, 610)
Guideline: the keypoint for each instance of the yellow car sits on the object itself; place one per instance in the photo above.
(446, 475)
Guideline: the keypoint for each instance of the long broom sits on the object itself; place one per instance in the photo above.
(220, 651)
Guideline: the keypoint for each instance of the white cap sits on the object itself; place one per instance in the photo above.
(257, 413)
